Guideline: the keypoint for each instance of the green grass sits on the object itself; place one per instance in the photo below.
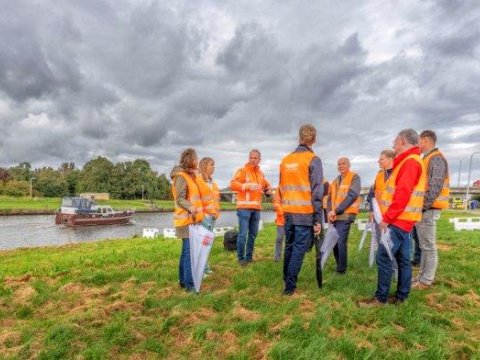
(120, 299)
(25, 204)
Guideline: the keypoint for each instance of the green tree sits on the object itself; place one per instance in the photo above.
(96, 176)
(139, 176)
(4, 174)
(15, 188)
(50, 182)
(71, 175)
(21, 172)
(164, 188)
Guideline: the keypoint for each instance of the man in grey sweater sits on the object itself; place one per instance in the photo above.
(436, 199)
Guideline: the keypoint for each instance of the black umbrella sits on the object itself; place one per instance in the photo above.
(318, 260)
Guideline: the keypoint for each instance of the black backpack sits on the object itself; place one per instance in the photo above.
(230, 240)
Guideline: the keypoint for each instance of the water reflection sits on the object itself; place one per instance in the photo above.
(38, 230)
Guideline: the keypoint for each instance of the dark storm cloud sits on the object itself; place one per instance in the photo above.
(129, 79)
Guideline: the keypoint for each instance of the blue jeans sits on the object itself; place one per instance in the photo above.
(340, 250)
(401, 252)
(248, 228)
(185, 266)
(297, 241)
(417, 254)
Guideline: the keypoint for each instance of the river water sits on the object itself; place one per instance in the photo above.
(39, 230)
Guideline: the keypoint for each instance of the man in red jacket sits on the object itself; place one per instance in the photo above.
(403, 201)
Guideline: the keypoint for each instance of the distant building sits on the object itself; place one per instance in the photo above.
(96, 196)
(476, 183)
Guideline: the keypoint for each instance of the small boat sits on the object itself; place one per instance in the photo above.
(77, 211)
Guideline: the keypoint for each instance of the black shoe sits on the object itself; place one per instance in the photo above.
(395, 301)
(242, 263)
(182, 285)
(415, 263)
(191, 290)
(288, 292)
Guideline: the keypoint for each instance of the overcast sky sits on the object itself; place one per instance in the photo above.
(146, 79)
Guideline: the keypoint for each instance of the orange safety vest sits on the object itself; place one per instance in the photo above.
(339, 191)
(413, 210)
(441, 202)
(277, 205)
(207, 196)
(249, 199)
(379, 188)
(182, 217)
(295, 184)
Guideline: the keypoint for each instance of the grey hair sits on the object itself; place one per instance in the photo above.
(409, 135)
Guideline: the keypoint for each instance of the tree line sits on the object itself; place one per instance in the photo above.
(122, 180)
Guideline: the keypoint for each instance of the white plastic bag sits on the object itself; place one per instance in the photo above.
(201, 241)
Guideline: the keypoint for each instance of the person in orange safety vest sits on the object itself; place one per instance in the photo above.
(437, 194)
(402, 200)
(188, 210)
(250, 184)
(343, 204)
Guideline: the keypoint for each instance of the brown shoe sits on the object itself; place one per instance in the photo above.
(373, 302)
(420, 285)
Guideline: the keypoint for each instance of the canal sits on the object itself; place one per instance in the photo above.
(39, 230)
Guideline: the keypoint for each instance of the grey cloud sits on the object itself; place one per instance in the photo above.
(125, 79)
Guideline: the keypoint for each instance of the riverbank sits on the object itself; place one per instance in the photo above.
(120, 299)
(46, 206)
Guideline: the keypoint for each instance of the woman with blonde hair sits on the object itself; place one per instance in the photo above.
(210, 196)
(188, 210)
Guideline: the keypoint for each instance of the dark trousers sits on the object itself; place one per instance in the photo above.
(340, 250)
(297, 241)
(401, 252)
(417, 254)
(185, 266)
(248, 220)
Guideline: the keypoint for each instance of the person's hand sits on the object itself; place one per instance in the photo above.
(317, 228)
(192, 210)
(383, 226)
(332, 216)
(370, 216)
(255, 187)
(268, 191)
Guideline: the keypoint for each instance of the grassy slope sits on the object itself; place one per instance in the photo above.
(120, 299)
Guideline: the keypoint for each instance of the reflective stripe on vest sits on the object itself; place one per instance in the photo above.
(413, 210)
(295, 184)
(441, 202)
(339, 192)
(182, 217)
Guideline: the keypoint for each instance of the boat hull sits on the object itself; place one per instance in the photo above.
(93, 219)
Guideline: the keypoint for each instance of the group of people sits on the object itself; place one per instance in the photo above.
(411, 189)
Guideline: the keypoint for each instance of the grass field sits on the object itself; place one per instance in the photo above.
(18, 204)
(120, 299)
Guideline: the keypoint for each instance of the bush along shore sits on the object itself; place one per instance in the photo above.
(121, 299)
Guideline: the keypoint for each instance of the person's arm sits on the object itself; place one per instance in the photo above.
(437, 171)
(352, 195)
(406, 181)
(238, 181)
(181, 196)
(315, 173)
